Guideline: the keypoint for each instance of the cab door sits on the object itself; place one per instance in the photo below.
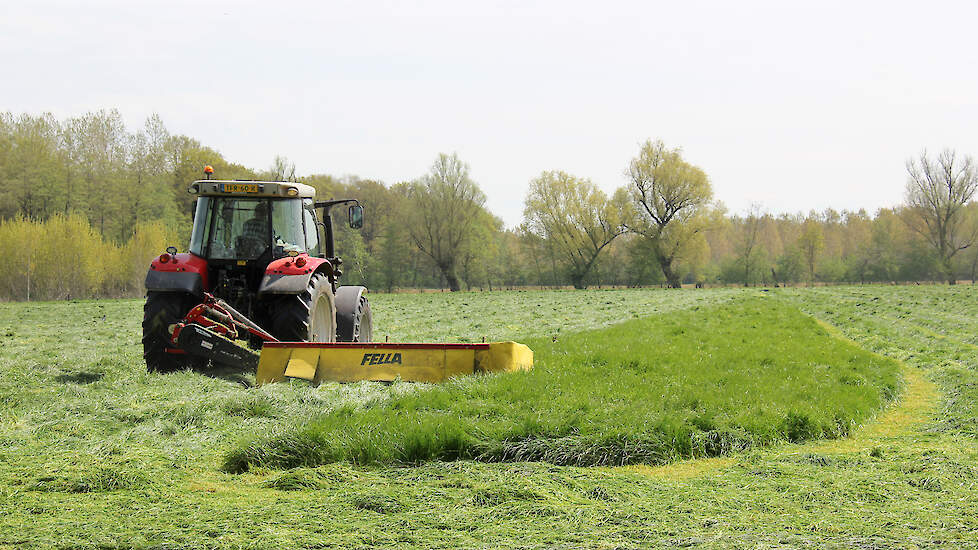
(313, 229)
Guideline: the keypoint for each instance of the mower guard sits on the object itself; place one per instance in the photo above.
(383, 362)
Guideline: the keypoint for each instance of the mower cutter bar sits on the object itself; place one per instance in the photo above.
(209, 329)
(197, 340)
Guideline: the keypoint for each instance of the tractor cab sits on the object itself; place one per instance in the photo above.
(254, 221)
(243, 227)
(240, 228)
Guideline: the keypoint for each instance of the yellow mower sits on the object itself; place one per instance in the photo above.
(262, 269)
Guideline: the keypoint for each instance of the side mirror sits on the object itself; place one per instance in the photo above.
(356, 216)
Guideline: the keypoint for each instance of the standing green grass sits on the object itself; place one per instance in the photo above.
(694, 383)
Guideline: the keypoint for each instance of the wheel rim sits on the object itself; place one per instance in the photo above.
(319, 331)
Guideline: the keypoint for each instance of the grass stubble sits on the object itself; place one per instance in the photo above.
(93, 452)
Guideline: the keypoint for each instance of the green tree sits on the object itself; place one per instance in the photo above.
(544, 272)
(187, 158)
(790, 266)
(102, 161)
(883, 250)
(71, 140)
(810, 244)
(327, 187)
(671, 199)
(358, 263)
(643, 268)
(148, 193)
(576, 218)
(445, 208)
(478, 262)
(30, 166)
(750, 231)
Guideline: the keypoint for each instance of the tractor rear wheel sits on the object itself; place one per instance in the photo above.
(161, 310)
(363, 324)
(307, 317)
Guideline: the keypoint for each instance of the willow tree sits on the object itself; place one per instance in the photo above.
(445, 208)
(937, 192)
(575, 218)
(671, 198)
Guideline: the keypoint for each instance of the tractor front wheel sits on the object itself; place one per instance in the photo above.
(306, 317)
(161, 310)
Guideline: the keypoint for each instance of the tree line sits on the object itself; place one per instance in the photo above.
(89, 189)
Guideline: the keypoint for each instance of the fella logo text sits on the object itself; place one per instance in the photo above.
(381, 359)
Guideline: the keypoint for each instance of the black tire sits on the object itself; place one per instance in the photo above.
(364, 328)
(306, 317)
(354, 321)
(161, 310)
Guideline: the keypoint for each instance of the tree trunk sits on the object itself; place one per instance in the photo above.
(672, 278)
(452, 281)
(665, 263)
(553, 267)
(949, 271)
(577, 277)
(448, 271)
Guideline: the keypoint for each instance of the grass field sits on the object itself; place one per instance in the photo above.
(94, 452)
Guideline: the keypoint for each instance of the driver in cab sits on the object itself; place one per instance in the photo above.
(254, 233)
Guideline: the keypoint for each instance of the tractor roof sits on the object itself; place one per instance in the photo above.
(248, 188)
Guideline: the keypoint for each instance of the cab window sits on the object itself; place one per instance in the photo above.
(202, 221)
(239, 229)
(288, 234)
(312, 228)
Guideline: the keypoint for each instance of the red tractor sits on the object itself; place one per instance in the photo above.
(261, 267)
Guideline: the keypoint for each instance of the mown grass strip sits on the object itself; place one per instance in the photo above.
(930, 328)
(689, 384)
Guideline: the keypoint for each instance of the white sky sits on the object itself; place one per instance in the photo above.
(797, 106)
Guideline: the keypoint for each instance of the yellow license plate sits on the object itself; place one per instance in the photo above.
(240, 188)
